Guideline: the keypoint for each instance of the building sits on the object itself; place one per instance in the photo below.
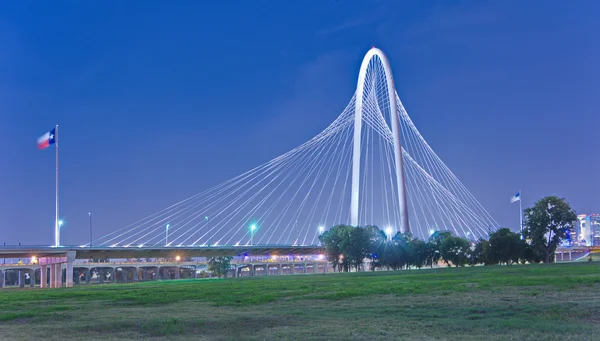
(588, 229)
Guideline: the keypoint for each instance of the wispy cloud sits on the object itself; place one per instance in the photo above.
(352, 23)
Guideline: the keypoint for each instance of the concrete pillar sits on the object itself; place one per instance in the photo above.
(43, 276)
(88, 276)
(304, 270)
(101, 276)
(2, 278)
(32, 278)
(113, 275)
(292, 269)
(314, 268)
(59, 275)
(136, 275)
(177, 273)
(21, 279)
(51, 276)
(570, 255)
(69, 272)
(144, 274)
(53, 280)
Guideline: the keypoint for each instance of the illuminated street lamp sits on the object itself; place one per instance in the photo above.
(388, 232)
(167, 235)
(321, 230)
(252, 228)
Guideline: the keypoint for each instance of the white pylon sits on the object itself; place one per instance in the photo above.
(395, 122)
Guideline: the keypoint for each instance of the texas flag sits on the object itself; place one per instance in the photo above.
(47, 139)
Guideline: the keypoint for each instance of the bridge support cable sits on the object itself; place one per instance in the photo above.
(289, 199)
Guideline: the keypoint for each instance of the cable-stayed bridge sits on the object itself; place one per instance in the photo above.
(370, 166)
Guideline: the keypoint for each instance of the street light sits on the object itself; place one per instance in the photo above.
(60, 223)
(321, 229)
(167, 235)
(252, 228)
(90, 214)
(388, 231)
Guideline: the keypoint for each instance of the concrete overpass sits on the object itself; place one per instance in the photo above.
(127, 272)
(62, 265)
(82, 252)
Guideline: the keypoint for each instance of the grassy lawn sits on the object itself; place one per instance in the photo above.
(532, 302)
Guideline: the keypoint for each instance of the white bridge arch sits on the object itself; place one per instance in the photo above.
(370, 57)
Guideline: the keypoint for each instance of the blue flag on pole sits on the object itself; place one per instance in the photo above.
(516, 197)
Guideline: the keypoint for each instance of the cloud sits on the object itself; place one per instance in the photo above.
(357, 22)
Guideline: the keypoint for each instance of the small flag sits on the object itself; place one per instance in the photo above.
(516, 197)
(47, 139)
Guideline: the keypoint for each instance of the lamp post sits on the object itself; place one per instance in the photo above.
(252, 228)
(90, 215)
(167, 235)
(321, 230)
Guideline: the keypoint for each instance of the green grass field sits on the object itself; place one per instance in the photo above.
(532, 302)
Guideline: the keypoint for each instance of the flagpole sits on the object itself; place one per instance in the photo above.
(56, 227)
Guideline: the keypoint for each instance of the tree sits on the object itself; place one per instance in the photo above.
(377, 246)
(348, 246)
(332, 239)
(546, 223)
(219, 266)
(357, 247)
(479, 252)
(433, 246)
(505, 247)
(455, 250)
(418, 252)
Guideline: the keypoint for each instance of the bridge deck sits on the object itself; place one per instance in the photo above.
(158, 252)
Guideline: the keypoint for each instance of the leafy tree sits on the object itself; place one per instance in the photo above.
(348, 246)
(455, 250)
(546, 223)
(377, 246)
(338, 243)
(332, 241)
(358, 246)
(479, 253)
(418, 252)
(505, 247)
(529, 255)
(433, 246)
(219, 266)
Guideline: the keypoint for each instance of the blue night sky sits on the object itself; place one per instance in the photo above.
(158, 100)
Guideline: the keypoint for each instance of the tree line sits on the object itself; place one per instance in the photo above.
(545, 225)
